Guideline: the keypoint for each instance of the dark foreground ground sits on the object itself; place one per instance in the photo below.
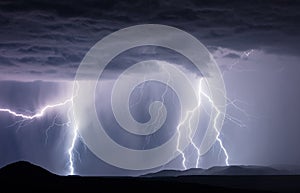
(27, 178)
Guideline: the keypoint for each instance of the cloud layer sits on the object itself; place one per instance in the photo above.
(47, 40)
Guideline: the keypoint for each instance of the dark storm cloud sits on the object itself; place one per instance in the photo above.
(47, 39)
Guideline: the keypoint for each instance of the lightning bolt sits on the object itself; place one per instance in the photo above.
(188, 117)
(243, 55)
(215, 123)
(71, 149)
(74, 134)
(42, 112)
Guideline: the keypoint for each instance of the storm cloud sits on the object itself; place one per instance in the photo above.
(47, 40)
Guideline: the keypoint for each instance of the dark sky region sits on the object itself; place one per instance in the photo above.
(255, 43)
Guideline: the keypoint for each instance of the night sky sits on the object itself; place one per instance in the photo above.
(255, 43)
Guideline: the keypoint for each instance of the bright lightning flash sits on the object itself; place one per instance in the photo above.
(72, 123)
(215, 122)
(41, 113)
(188, 117)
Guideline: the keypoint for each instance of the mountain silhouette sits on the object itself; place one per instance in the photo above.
(222, 170)
(24, 169)
(28, 177)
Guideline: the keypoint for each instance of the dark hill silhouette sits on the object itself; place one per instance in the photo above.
(24, 169)
(27, 177)
(223, 170)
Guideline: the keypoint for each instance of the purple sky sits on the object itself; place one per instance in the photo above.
(255, 44)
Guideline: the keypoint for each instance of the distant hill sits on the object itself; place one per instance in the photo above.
(24, 169)
(27, 177)
(223, 170)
